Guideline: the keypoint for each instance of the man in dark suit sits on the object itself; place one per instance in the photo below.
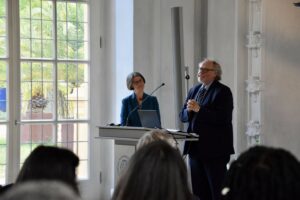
(208, 110)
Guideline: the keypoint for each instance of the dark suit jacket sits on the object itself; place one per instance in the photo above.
(129, 103)
(212, 123)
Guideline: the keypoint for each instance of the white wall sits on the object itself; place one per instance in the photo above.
(281, 74)
(227, 29)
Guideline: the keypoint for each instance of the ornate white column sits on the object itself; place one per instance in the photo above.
(254, 82)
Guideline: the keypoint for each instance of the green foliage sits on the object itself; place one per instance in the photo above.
(2, 8)
(37, 27)
(37, 41)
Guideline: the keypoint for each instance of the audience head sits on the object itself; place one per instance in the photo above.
(130, 79)
(50, 163)
(46, 190)
(263, 173)
(156, 171)
(155, 135)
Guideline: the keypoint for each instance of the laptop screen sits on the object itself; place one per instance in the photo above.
(149, 118)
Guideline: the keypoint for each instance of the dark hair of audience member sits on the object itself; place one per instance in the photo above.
(50, 163)
(156, 171)
(263, 173)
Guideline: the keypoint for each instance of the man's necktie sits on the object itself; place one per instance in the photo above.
(200, 94)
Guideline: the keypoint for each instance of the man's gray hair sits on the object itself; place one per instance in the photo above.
(216, 66)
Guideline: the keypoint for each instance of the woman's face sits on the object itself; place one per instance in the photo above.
(138, 84)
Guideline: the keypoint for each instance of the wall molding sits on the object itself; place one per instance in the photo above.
(254, 84)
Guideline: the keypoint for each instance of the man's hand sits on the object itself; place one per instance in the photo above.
(192, 105)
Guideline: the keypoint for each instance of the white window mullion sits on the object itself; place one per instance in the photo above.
(55, 72)
(13, 157)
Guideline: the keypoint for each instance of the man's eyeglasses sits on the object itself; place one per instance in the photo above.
(204, 70)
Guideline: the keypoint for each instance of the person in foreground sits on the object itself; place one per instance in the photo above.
(263, 173)
(50, 163)
(208, 111)
(130, 105)
(155, 135)
(41, 190)
(156, 171)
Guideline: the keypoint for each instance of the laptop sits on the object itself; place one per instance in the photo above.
(149, 118)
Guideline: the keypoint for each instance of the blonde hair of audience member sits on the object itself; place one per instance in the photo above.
(37, 190)
(155, 135)
(156, 171)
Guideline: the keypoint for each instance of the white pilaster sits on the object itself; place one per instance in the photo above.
(254, 84)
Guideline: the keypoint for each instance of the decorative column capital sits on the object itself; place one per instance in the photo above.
(254, 85)
(253, 128)
(254, 40)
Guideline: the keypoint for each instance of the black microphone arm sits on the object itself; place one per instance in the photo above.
(142, 102)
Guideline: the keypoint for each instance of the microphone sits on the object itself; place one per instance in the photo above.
(186, 73)
(135, 108)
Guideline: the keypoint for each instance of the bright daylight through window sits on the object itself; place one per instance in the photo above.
(54, 78)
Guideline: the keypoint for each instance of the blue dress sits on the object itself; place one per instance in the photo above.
(129, 103)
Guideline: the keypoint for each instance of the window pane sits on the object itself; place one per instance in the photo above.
(24, 9)
(2, 26)
(41, 93)
(3, 90)
(83, 109)
(3, 50)
(33, 135)
(83, 32)
(47, 10)
(62, 49)
(25, 28)
(61, 30)
(3, 31)
(37, 90)
(2, 8)
(47, 30)
(71, 12)
(72, 32)
(36, 48)
(68, 137)
(82, 131)
(83, 50)
(3, 152)
(82, 12)
(61, 11)
(36, 29)
(25, 48)
(36, 10)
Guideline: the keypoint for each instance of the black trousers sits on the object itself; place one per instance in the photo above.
(207, 176)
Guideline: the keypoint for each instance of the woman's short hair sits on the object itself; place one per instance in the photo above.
(156, 171)
(50, 163)
(130, 77)
(263, 173)
(155, 135)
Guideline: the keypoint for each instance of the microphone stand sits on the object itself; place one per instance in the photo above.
(187, 77)
(135, 108)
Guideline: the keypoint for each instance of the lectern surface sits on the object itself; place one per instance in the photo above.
(128, 133)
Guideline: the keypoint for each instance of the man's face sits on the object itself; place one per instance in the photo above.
(206, 73)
